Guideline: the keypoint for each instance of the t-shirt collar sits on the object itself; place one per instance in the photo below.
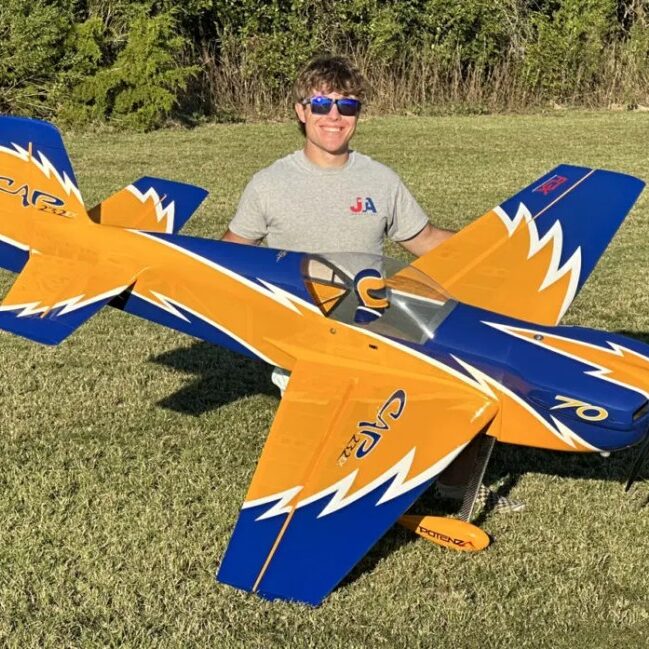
(304, 163)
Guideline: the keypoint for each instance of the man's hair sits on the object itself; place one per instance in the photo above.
(329, 74)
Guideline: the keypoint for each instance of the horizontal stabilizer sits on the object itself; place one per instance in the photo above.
(151, 204)
(349, 452)
(528, 257)
(52, 296)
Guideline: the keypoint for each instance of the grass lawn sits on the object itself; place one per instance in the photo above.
(126, 452)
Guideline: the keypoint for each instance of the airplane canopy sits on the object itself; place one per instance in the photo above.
(378, 293)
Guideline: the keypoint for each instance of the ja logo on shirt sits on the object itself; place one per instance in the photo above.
(363, 205)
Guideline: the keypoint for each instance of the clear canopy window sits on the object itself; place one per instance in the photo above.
(377, 293)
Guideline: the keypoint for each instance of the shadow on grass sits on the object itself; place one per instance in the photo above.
(640, 336)
(221, 377)
(507, 466)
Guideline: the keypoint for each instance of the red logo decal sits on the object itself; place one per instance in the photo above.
(363, 205)
(550, 184)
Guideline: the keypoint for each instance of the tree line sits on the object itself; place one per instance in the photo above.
(140, 63)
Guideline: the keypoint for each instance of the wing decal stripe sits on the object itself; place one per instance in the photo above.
(558, 198)
(15, 244)
(287, 300)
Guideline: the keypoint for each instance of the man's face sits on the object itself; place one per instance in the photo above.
(328, 133)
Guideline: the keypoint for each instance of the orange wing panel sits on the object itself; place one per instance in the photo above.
(338, 424)
(47, 282)
(486, 265)
(348, 453)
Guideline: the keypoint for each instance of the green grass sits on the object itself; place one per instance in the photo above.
(126, 452)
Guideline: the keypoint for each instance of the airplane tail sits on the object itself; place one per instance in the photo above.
(528, 257)
(35, 174)
(151, 204)
(35, 170)
(57, 290)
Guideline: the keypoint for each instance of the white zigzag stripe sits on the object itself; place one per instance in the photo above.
(161, 213)
(561, 431)
(280, 507)
(165, 304)
(569, 436)
(46, 168)
(399, 486)
(273, 292)
(600, 372)
(553, 236)
(26, 309)
(69, 304)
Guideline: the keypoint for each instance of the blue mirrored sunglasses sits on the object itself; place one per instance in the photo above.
(320, 105)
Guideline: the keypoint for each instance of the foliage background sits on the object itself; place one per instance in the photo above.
(138, 63)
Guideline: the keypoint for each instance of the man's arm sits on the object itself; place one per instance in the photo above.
(235, 238)
(425, 240)
(250, 218)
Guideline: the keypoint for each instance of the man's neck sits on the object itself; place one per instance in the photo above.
(324, 159)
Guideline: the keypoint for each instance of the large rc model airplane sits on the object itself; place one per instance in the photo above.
(395, 368)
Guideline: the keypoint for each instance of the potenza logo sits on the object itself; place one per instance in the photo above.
(444, 538)
(363, 206)
(369, 433)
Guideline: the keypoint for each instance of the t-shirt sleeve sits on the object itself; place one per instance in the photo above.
(407, 217)
(250, 218)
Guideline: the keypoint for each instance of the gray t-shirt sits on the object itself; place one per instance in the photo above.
(296, 205)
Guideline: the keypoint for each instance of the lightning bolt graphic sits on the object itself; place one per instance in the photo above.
(281, 503)
(340, 491)
(48, 170)
(162, 213)
(69, 304)
(615, 363)
(560, 430)
(286, 299)
(554, 238)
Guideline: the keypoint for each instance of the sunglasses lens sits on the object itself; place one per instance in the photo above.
(348, 107)
(321, 105)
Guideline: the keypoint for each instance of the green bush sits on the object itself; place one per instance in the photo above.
(32, 44)
(139, 88)
(568, 48)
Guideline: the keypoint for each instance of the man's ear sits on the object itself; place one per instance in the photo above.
(299, 111)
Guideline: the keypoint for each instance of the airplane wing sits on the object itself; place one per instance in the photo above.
(528, 257)
(53, 296)
(349, 451)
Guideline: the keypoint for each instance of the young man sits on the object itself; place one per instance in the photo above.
(329, 198)
(326, 197)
